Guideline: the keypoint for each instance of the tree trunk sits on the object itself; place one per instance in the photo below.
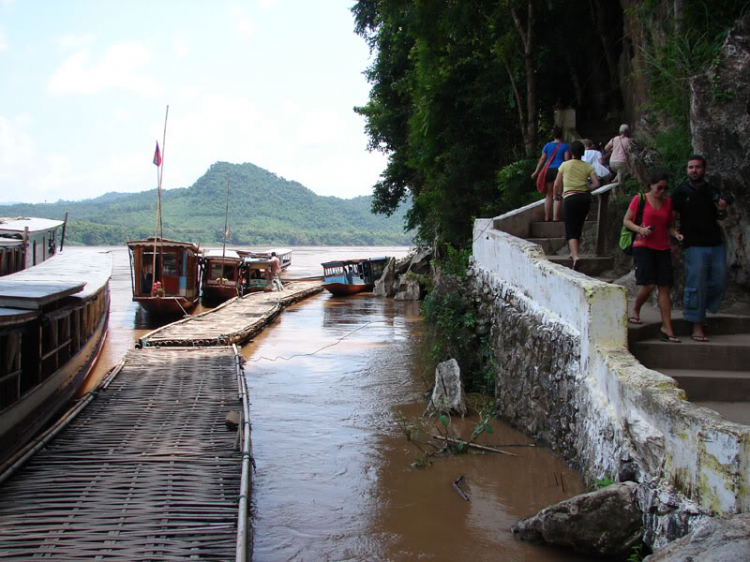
(527, 38)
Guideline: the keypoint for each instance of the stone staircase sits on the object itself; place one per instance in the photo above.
(714, 374)
(551, 237)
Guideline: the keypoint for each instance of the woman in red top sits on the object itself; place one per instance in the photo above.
(651, 252)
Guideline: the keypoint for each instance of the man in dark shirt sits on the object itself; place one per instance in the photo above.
(700, 206)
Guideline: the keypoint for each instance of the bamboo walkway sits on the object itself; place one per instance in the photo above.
(147, 471)
(234, 322)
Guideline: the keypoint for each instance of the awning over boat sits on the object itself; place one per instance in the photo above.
(19, 224)
(9, 316)
(230, 256)
(163, 243)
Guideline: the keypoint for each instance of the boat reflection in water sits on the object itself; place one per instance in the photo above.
(348, 277)
(164, 275)
(53, 321)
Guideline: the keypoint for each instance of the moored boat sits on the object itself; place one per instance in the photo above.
(27, 241)
(53, 322)
(284, 255)
(164, 275)
(256, 276)
(349, 277)
(222, 275)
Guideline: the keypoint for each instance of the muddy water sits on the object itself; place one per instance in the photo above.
(328, 381)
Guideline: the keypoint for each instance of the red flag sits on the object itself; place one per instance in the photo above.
(157, 155)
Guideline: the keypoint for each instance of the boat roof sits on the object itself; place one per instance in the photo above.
(265, 253)
(351, 262)
(19, 224)
(64, 275)
(9, 242)
(256, 261)
(228, 255)
(162, 242)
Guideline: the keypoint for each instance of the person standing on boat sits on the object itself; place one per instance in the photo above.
(276, 284)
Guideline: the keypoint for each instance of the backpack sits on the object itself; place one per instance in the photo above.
(627, 236)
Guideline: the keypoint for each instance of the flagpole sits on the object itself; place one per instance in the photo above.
(226, 226)
(156, 222)
(161, 175)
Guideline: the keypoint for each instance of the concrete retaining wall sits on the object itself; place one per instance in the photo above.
(567, 377)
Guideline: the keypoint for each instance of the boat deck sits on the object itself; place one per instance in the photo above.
(147, 471)
(235, 321)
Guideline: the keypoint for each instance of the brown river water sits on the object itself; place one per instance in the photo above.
(329, 380)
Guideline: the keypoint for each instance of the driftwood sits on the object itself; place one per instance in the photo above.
(474, 445)
(457, 487)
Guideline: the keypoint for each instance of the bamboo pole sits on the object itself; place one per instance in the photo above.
(226, 226)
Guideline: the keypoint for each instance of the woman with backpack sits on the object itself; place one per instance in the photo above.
(652, 255)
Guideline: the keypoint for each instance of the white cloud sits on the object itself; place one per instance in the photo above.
(3, 42)
(119, 67)
(73, 41)
(241, 22)
(180, 47)
(16, 145)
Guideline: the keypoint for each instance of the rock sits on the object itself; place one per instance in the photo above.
(719, 539)
(448, 394)
(408, 290)
(386, 285)
(606, 523)
(233, 420)
(719, 121)
(420, 262)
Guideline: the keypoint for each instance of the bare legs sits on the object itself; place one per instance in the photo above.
(573, 244)
(665, 306)
(551, 207)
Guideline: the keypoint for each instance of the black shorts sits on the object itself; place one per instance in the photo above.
(575, 210)
(551, 175)
(653, 267)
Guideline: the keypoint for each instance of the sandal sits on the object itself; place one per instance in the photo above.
(575, 264)
(663, 336)
(635, 320)
(702, 339)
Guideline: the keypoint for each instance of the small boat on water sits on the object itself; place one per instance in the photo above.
(256, 276)
(26, 242)
(165, 275)
(284, 255)
(222, 275)
(53, 322)
(348, 277)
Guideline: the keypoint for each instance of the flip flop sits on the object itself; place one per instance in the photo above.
(702, 339)
(667, 338)
(634, 320)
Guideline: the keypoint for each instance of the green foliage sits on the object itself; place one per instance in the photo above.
(452, 323)
(516, 186)
(637, 553)
(672, 147)
(263, 209)
(603, 482)
(455, 262)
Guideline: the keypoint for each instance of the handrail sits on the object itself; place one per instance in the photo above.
(603, 193)
(241, 554)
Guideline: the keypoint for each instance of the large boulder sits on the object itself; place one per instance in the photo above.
(448, 394)
(386, 285)
(420, 262)
(606, 523)
(719, 539)
(409, 289)
(719, 122)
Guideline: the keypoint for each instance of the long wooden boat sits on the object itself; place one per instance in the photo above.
(256, 276)
(26, 242)
(349, 277)
(165, 275)
(222, 275)
(53, 322)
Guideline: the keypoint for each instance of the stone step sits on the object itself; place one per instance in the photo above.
(738, 412)
(549, 245)
(729, 352)
(552, 229)
(588, 265)
(717, 386)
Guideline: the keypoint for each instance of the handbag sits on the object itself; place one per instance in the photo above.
(628, 236)
(541, 179)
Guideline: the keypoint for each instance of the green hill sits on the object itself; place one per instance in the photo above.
(263, 209)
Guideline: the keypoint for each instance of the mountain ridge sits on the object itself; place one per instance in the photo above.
(264, 208)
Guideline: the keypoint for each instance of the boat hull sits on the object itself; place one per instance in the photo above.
(218, 293)
(344, 289)
(166, 306)
(26, 417)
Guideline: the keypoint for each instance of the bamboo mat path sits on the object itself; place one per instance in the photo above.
(233, 322)
(147, 471)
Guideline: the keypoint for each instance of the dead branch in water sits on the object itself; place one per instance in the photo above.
(457, 487)
(474, 445)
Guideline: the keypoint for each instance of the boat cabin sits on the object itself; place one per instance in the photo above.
(257, 274)
(346, 277)
(222, 275)
(37, 238)
(164, 269)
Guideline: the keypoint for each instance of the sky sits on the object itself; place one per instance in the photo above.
(85, 84)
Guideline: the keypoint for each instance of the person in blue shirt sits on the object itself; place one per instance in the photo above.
(557, 152)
